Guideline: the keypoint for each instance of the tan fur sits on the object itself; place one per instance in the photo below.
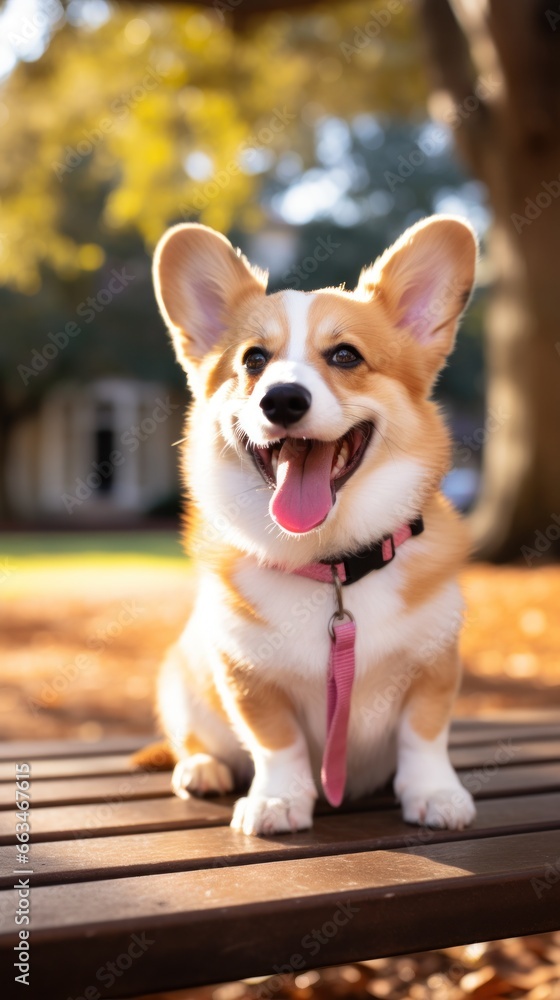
(262, 708)
(426, 574)
(193, 744)
(431, 697)
(222, 558)
(225, 569)
(155, 757)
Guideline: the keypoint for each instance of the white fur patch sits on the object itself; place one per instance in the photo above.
(429, 790)
(282, 794)
(201, 774)
(297, 305)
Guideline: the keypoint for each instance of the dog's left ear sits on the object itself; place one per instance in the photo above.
(424, 281)
(199, 278)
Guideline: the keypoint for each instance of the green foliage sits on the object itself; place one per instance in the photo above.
(122, 107)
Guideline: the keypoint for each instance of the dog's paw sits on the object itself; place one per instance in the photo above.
(261, 814)
(201, 774)
(444, 808)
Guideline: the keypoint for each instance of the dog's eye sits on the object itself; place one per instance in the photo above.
(255, 360)
(344, 356)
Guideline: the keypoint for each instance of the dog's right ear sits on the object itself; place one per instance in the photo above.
(198, 278)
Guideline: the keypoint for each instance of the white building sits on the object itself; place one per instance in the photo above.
(97, 452)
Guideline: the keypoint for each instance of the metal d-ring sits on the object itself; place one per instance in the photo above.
(341, 612)
(339, 619)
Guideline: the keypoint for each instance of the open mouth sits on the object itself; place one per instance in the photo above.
(306, 473)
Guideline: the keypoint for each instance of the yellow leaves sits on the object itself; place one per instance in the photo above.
(197, 30)
(123, 106)
(91, 256)
(137, 31)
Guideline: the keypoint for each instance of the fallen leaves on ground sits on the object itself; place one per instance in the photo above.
(519, 967)
(81, 641)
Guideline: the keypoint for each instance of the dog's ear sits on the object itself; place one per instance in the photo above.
(198, 278)
(424, 281)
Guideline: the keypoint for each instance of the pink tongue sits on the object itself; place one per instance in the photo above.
(303, 496)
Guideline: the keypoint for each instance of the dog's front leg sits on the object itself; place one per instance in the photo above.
(283, 793)
(426, 783)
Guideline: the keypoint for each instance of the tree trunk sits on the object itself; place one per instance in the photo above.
(508, 52)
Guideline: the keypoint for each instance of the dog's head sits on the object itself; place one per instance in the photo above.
(318, 402)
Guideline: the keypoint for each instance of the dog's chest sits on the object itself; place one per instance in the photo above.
(289, 643)
(293, 635)
(289, 646)
(292, 650)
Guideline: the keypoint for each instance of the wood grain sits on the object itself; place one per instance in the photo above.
(218, 846)
(204, 926)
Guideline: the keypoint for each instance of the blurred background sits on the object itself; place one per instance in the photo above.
(312, 135)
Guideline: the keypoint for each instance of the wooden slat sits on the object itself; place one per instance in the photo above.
(70, 767)
(185, 850)
(470, 732)
(505, 750)
(528, 717)
(110, 756)
(118, 816)
(26, 750)
(463, 732)
(486, 782)
(73, 791)
(514, 780)
(207, 926)
(109, 818)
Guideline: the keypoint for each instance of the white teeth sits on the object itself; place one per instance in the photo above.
(274, 462)
(341, 459)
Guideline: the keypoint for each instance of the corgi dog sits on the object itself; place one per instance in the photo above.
(321, 653)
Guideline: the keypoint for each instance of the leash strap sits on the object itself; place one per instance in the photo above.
(339, 690)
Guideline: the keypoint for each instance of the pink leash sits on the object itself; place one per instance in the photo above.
(339, 691)
(342, 664)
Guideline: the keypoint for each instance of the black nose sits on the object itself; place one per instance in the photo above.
(285, 404)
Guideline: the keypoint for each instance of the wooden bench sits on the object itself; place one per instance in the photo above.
(127, 877)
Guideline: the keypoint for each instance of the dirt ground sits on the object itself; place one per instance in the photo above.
(81, 637)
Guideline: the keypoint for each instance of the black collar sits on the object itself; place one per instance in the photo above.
(372, 556)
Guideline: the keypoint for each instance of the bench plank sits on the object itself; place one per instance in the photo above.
(205, 926)
(190, 849)
(118, 813)
(70, 767)
(113, 817)
(471, 748)
(534, 725)
(503, 750)
(73, 791)
(26, 750)
(464, 732)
